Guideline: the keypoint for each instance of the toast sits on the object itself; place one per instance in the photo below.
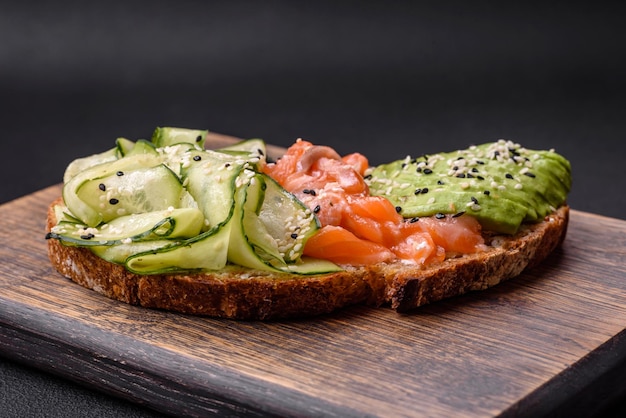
(247, 294)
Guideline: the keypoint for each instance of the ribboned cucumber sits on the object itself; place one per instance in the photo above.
(234, 213)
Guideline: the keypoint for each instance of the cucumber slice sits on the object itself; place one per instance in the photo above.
(251, 148)
(119, 253)
(166, 136)
(142, 147)
(286, 219)
(250, 244)
(265, 235)
(166, 224)
(210, 178)
(131, 192)
(124, 146)
(81, 164)
(86, 213)
(207, 251)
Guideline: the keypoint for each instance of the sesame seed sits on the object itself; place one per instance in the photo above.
(102, 187)
(114, 201)
(197, 158)
(199, 138)
(486, 192)
(508, 175)
(398, 209)
(294, 235)
(474, 199)
(120, 173)
(428, 171)
(317, 209)
(87, 236)
(439, 182)
(456, 215)
(414, 219)
(439, 215)
(529, 174)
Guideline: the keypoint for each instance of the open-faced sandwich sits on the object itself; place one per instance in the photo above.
(169, 224)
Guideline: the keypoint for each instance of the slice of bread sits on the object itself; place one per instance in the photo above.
(241, 293)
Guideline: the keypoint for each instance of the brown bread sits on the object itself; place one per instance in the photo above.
(242, 293)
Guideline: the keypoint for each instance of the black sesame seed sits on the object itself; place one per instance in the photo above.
(294, 235)
(470, 176)
(419, 169)
(197, 158)
(114, 201)
(439, 215)
(455, 168)
(425, 190)
(102, 187)
(309, 191)
(260, 151)
(480, 162)
(461, 175)
(439, 182)
(199, 138)
(486, 192)
(317, 209)
(474, 170)
(368, 177)
(480, 177)
(496, 153)
(398, 209)
(414, 219)
(529, 174)
(456, 215)
(120, 173)
(227, 165)
(508, 175)
(428, 171)
(87, 236)
(403, 165)
(418, 191)
(474, 200)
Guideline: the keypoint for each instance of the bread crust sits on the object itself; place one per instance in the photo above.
(241, 293)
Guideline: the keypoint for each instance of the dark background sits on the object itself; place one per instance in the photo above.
(384, 79)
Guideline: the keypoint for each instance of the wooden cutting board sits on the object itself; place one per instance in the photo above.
(552, 338)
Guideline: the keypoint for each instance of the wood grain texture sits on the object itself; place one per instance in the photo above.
(529, 345)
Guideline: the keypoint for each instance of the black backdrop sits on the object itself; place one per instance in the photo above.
(384, 79)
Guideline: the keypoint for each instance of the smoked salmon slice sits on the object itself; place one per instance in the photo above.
(358, 228)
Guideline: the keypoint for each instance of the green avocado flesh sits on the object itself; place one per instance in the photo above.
(170, 206)
(501, 184)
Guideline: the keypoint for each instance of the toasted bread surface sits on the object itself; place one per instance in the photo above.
(242, 293)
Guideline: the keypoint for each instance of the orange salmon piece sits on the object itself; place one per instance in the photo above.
(341, 246)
